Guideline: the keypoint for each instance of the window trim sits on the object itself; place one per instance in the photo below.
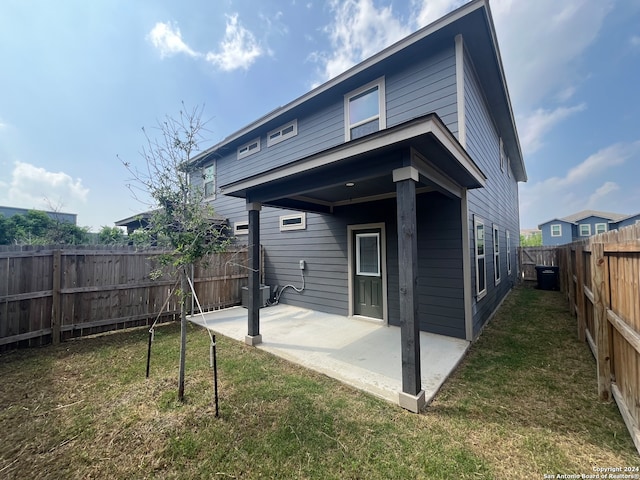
(606, 228)
(241, 231)
(212, 180)
(282, 136)
(249, 151)
(497, 274)
(508, 253)
(382, 107)
(301, 226)
(477, 222)
(588, 226)
(559, 225)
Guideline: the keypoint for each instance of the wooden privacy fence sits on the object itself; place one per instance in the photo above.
(529, 257)
(602, 283)
(51, 294)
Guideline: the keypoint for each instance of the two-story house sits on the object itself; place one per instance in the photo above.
(391, 188)
(581, 225)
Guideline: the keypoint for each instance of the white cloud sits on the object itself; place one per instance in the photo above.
(546, 60)
(238, 49)
(168, 40)
(534, 127)
(359, 30)
(35, 187)
(597, 197)
(559, 196)
(428, 11)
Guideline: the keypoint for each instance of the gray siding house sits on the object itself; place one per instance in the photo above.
(396, 184)
(582, 225)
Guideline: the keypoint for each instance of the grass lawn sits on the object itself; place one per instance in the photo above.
(522, 404)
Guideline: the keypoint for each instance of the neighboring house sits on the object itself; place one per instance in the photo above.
(57, 216)
(581, 225)
(395, 182)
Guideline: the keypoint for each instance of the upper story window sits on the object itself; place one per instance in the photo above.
(502, 155)
(585, 230)
(556, 230)
(209, 179)
(280, 134)
(365, 110)
(249, 148)
(601, 228)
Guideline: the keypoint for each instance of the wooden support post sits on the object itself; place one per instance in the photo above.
(56, 317)
(600, 285)
(412, 395)
(253, 336)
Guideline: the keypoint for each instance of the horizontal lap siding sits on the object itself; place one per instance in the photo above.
(317, 131)
(440, 285)
(427, 85)
(497, 203)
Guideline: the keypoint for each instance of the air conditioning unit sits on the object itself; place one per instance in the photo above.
(265, 294)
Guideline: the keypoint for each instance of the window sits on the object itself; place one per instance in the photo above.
(280, 134)
(481, 273)
(241, 228)
(249, 148)
(297, 221)
(502, 156)
(508, 253)
(585, 230)
(601, 228)
(508, 167)
(209, 179)
(364, 110)
(556, 230)
(368, 254)
(496, 254)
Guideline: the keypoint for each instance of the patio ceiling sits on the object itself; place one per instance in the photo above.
(361, 170)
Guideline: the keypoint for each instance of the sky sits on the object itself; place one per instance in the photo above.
(79, 80)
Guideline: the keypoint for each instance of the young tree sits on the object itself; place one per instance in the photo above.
(111, 236)
(180, 218)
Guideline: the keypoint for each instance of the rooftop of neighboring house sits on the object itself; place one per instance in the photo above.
(576, 217)
(59, 216)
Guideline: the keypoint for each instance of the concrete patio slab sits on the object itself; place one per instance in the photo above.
(363, 354)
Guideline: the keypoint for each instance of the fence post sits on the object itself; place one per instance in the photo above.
(571, 286)
(580, 313)
(600, 284)
(55, 306)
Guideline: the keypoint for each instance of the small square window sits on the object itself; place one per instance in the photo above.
(585, 230)
(241, 228)
(556, 230)
(601, 228)
(249, 148)
(297, 221)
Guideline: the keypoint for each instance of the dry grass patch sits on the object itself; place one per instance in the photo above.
(523, 403)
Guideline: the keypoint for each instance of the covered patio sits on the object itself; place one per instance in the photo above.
(365, 355)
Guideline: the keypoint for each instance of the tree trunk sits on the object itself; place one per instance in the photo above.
(184, 286)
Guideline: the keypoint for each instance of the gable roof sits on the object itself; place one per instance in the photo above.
(576, 217)
(473, 20)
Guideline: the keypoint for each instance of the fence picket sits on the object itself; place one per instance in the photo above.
(52, 294)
